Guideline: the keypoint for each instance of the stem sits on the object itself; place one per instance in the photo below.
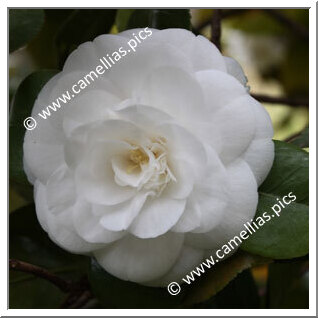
(61, 283)
(281, 100)
(216, 28)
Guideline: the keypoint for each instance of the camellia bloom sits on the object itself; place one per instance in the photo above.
(155, 165)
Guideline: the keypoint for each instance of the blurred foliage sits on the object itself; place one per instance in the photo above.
(82, 26)
(157, 18)
(23, 26)
(240, 293)
(288, 284)
(30, 243)
(272, 47)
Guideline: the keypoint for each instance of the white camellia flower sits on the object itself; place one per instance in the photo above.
(155, 165)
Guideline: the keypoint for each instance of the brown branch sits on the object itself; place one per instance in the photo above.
(225, 14)
(61, 283)
(79, 295)
(281, 100)
(78, 292)
(289, 23)
(216, 28)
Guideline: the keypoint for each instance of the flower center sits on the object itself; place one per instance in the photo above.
(150, 163)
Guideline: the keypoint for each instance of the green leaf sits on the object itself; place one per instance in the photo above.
(285, 235)
(288, 285)
(116, 293)
(29, 243)
(24, 25)
(22, 106)
(160, 19)
(215, 279)
(81, 26)
(302, 140)
(282, 237)
(289, 173)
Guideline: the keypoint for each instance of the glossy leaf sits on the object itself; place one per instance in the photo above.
(289, 173)
(24, 25)
(302, 140)
(282, 237)
(285, 235)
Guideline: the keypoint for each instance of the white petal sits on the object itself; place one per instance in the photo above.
(235, 69)
(92, 106)
(183, 185)
(190, 219)
(128, 34)
(60, 189)
(85, 57)
(260, 156)
(95, 176)
(264, 127)
(112, 130)
(40, 159)
(211, 195)
(60, 226)
(175, 92)
(132, 69)
(202, 53)
(219, 88)
(157, 217)
(88, 226)
(140, 260)
(182, 144)
(241, 209)
(143, 116)
(187, 261)
(236, 124)
(119, 217)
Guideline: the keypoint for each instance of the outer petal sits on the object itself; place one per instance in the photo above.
(260, 156)
(202, 53)
(187, 261)
(235, 69)
(241, 209)
(236, 125)
(175, 92)
(133, 68)
(208, 201)
(140, 260)
(94, 105)
(260, 153)
(219, 88)
(60, 227)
